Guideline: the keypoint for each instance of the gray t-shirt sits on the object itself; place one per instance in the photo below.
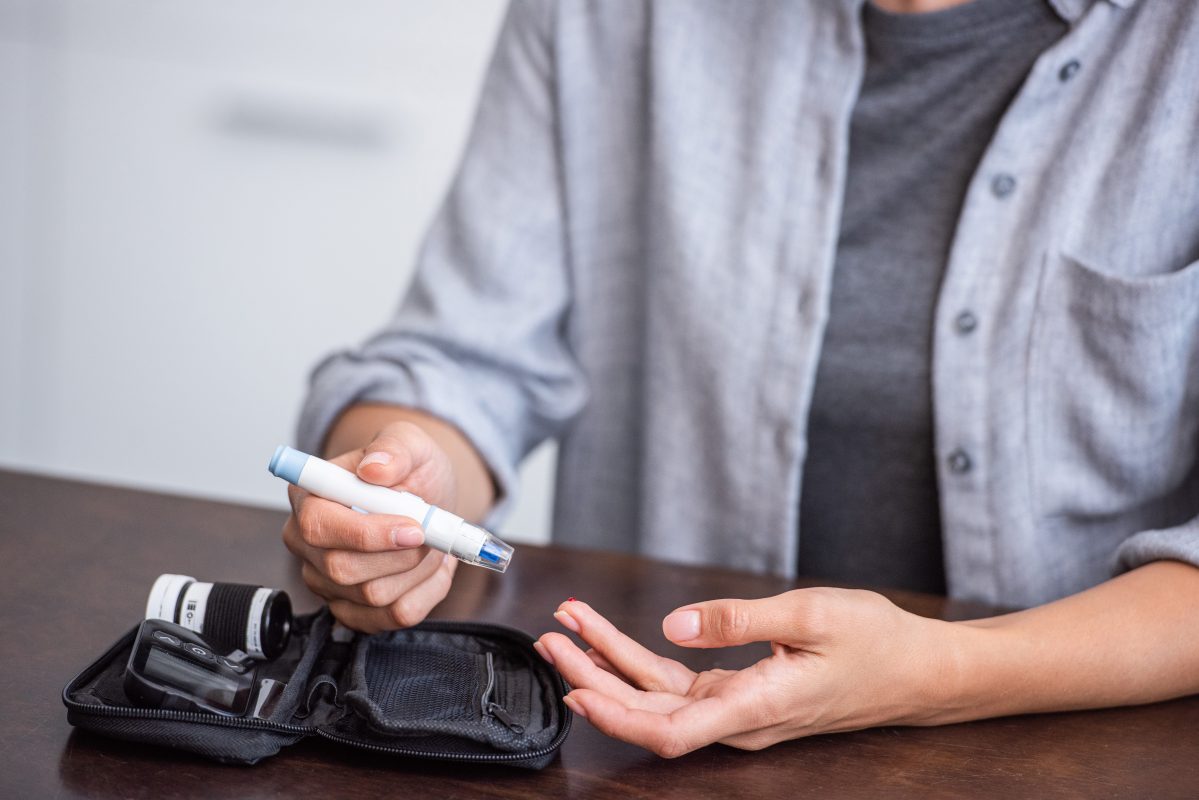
(934, 90)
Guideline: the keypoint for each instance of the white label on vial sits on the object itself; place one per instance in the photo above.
(195, 603)
(254, 623)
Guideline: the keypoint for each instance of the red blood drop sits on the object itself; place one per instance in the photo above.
(570, 599)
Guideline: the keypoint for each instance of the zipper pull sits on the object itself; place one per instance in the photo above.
(499, 712)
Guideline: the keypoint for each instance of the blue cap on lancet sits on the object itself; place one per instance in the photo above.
(494, 554)
(288, 463)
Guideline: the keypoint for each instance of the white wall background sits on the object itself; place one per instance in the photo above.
(179, 181)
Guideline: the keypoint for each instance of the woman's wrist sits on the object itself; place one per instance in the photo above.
(997, 669)
(1130, 640)
(959, 676)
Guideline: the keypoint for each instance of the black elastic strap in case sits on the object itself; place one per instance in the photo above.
(227, 615)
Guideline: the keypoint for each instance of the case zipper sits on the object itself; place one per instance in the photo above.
(183, 716)
(499, 712)
(490, 757)
(494, 709)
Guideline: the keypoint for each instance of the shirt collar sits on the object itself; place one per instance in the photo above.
(1071, 10)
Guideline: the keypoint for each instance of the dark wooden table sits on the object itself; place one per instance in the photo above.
(76, 561)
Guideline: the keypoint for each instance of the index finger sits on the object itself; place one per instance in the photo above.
(646, 669)
(581, 672)
(332, 526)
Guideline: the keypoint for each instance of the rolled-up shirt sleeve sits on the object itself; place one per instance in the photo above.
(1179, 543)
(479, 340)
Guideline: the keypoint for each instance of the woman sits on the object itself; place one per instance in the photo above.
(840, 289)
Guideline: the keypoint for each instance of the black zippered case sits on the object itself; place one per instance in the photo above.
(449, 691)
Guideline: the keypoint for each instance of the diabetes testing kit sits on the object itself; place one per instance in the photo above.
(226, 671)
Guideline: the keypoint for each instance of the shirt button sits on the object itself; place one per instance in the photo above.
(959, 462)
(1003, 184)
(965, 322)
(1069, 70)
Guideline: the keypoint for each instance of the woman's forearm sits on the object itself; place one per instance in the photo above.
(358, 425)
(1133, 639)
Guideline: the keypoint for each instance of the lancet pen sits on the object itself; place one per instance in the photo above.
(444, 531)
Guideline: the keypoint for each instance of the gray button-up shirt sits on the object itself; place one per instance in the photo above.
(636, 253)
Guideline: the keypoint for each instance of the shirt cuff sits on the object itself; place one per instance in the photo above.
(1180, 543)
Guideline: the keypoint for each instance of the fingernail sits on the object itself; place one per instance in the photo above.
(681, 626)
(407, 536)
(447, 559)
(574, 706)
(543, 652)
(567, 620)
(377, 457)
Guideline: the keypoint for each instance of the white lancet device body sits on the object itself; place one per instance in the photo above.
(444, 531)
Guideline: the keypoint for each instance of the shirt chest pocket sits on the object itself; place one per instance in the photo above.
(1113, 388)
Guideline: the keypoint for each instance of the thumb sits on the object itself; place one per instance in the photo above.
(723, 623)
(389, 458)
